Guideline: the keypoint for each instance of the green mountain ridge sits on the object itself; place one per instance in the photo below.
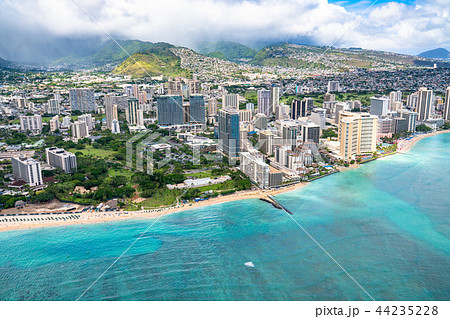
(109, 53)
(286, 55)
(307, 56)
(225, 50)
(159, 60)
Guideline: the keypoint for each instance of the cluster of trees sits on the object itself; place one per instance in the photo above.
(13, 138)
(8, 201)
(91, 173)
(150, 183)
(109, 142)
(423, 128)
(329, 132)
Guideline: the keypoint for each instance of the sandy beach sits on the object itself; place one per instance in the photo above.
(104, 217)
(7, 223)
(405, 145)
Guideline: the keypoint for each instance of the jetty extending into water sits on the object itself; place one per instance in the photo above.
(269, 199)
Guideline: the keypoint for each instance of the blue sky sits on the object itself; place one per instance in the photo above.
(361, 6)
(349, 3)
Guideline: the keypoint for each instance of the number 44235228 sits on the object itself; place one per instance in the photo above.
(408, 310)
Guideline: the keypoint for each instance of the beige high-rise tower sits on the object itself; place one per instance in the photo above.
(357, 134)
(424, 104)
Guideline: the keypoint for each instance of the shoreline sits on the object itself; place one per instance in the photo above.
(103, 217)
(404, 146)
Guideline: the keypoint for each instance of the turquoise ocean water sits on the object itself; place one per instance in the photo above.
(387, 223)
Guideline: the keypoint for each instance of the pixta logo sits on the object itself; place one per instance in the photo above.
(139, 149)
(148, 151)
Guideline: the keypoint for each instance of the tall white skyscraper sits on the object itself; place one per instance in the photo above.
(87, 118)
(424, 104)
(412, 100)
(54, 123)
(115, 127)
(394, 96)
(134, 113)
(446, 113)
(28, 170)
(333, 86)
(282, 112)
(340, 107)
(379, 106)
(31, 123)
(58, 157)
(264, 102)
(212, 107)
(318, 117)
(52, 106)
(67, 121)
(79, 130)
(274, 97)
(230, 100)
(411, 119)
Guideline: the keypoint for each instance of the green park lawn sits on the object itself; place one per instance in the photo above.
(120, 172)
(162, 197)
(95, 152)
(199, 175)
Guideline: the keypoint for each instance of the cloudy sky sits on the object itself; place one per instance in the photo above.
(45, 29)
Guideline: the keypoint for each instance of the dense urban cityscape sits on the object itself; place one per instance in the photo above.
(225, 150)
(197, 139)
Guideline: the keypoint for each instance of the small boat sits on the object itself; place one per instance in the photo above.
(249, 264)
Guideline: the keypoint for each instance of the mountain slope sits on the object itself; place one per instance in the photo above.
(306, 56)
(440, 53)
(4, 63)
(108, 53)
(159, 60)
(231, 51)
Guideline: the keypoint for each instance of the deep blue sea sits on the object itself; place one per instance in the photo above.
(387, 223)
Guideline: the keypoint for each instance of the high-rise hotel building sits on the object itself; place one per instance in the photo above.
(134, 113)
(28, 170)
(229, 132)
(170, 110)
(197, 110)
(264, 102)
(259, 171)
(58, 157)
(230, 100)
(357, 134)
(424, 104)
(110, 110)
(446, 114)
(82, 100)
(31, 123)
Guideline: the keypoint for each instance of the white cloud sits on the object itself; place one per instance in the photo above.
(389, 26)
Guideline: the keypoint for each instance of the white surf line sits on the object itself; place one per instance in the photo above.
(329, 255)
